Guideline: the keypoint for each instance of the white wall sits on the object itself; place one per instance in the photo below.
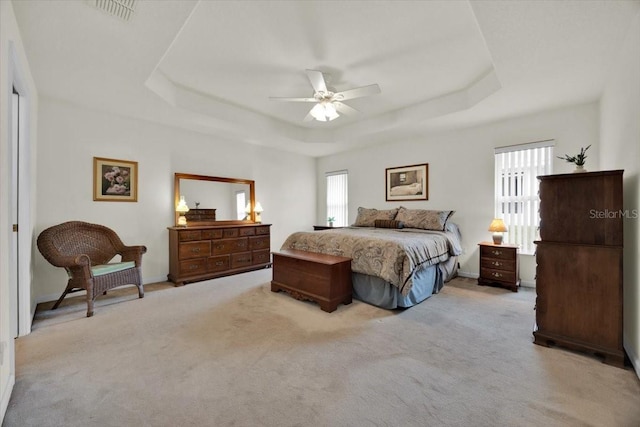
(72, 136)
(461, 170)
(14, 70)
(620, 149)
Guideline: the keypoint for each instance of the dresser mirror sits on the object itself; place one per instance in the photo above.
(214, 200)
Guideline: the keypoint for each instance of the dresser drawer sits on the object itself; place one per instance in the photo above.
(260, 242)
(228, 246)
(248, 231)
(498, 264)
(184, 236)
(261, 257)
(192, 267)
(211, 234)
(218, 263)
(240, 260)
(498, 275)
(189, 250)
(494, 252)
(229, 232)
(262, 230)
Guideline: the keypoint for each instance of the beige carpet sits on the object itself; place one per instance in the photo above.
(228, 352)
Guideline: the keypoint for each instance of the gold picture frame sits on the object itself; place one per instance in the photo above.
(407, 182)
(115, 180)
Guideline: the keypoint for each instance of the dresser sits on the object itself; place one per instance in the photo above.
(579, 264)
(205, 252)
(499, 265)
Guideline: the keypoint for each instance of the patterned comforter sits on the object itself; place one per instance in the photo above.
(391, 254)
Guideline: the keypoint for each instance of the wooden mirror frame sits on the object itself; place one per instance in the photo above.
(252, 196)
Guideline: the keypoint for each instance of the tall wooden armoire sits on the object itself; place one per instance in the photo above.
(579, 264)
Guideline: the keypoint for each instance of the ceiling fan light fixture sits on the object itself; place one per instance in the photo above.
(330, 111)
(318, 113)
(324, 111)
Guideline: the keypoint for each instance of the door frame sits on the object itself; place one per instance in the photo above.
(17, 78)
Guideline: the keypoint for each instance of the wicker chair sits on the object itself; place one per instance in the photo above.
(85, 250)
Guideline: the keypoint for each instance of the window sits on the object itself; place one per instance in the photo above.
(516, 190)
(337, 199)
(241, 210)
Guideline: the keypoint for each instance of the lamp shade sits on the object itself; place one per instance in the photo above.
(497, 225)
(182, 206)
(258, 208)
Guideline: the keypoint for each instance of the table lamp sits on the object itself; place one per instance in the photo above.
(258, 210)
(497, 227)
(182, 209)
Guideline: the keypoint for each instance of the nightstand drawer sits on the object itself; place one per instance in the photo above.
(498, 275)
(498, 264)
(496, 252)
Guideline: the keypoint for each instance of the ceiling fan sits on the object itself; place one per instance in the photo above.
(329, 103)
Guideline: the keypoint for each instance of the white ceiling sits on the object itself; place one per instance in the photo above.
(211, 66)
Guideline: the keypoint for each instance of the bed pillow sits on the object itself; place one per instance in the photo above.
(423, 218)
(367, 217)
(388, 223)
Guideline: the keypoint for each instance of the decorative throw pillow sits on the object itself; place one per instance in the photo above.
(367, 217)
(388, 223)
(423, 218)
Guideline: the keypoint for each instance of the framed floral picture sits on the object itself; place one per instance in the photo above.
(408, 182)
(115, 180)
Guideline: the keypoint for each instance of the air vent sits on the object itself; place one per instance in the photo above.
(122, 9)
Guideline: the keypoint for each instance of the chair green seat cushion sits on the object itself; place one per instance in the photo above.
(100, 270)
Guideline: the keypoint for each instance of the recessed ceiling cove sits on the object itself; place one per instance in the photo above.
(429, 57)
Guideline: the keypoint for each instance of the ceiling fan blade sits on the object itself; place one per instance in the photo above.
(273, 98)
(344, 108)
(358, 92)
(317, 80)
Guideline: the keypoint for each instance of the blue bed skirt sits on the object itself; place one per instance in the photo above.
(375, 291)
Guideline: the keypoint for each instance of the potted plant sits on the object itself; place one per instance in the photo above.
(578, 159)
(330, 220)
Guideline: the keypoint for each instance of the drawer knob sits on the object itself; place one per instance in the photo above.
(495, 274)
(195, 250)
(219, 263)
(496, 252)
(496, 263)
(219, 246)
(193, 266)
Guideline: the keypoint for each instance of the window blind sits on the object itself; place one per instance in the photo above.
(337, 197)
(516, 190)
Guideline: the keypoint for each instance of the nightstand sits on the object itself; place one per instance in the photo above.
(499, 264)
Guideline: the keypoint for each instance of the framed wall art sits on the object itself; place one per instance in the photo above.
(115, 180)
(408, 182)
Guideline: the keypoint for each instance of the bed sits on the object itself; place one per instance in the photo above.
(396, 263)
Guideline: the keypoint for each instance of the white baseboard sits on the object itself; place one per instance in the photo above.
(633, 357)
(54, 297)
(467, 274)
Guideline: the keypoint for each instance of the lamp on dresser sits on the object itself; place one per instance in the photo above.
(497, 227)
(182, 209)
(258, 210)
